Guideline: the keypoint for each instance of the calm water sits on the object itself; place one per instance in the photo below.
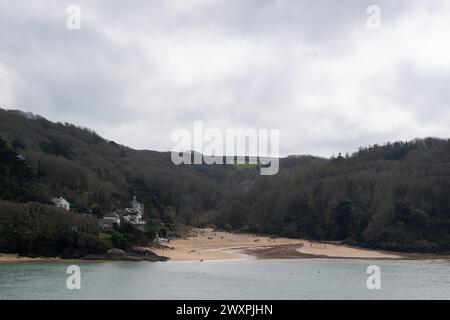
(254, 279)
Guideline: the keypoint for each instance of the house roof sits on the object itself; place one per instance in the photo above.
(59, 200)
(132, 211)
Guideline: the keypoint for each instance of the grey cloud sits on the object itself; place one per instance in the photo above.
(137, 71)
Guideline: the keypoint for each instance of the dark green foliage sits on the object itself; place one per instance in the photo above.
(128, 236)
(155, 228)
(403, 211)
(419, 220)
(44, 230)
(151, 230)
(118, 240)
(18, 144)
(341, 220)
(56, 147)
(17, 180)
(163, 231)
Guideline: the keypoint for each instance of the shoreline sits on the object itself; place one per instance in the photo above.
(15, 257)
(210, 245)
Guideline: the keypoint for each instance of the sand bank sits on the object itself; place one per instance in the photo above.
(13, 257)
(210, 245)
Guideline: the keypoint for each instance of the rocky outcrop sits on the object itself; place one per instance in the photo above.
(121, 255)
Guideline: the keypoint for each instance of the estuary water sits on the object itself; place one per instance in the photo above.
(245, 279)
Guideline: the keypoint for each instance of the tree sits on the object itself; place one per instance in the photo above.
(118, 240)
(403, 211)
(163, 230)
(342, 220)
(419, 220)
(151, 229)
(18, 144)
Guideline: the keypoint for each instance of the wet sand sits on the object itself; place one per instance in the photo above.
(210, 245)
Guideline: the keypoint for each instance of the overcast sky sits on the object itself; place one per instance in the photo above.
(138, 70)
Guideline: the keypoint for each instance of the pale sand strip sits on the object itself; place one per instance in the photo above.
(210, 245)
(13, 257)
(337, 251)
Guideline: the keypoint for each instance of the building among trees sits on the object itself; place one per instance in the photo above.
(135, 214)
(109, 220)
(61, 203)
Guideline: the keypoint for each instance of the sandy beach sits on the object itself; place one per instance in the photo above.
(208, 245)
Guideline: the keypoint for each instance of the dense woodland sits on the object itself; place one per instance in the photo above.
(392, 196)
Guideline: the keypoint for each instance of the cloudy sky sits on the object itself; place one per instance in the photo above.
(311, 68)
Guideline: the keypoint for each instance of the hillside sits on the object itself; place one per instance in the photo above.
(394, 196)
(96, 174)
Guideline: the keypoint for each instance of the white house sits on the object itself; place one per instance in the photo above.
(135, 214)
(136, 205)
(131, 215)
(61, 203)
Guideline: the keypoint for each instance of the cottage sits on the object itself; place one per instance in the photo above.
(135, 214)
(61, 203)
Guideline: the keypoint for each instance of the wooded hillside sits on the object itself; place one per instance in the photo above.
(393, 196)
